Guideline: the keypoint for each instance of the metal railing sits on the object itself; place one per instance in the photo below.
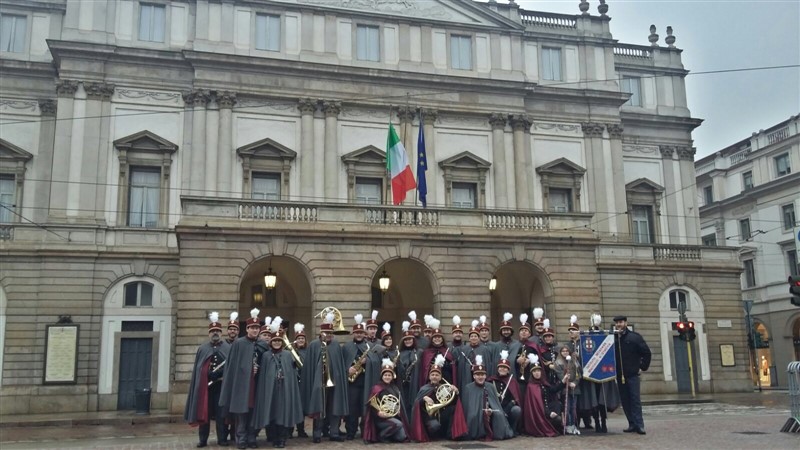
(548, 20)
(793, 424)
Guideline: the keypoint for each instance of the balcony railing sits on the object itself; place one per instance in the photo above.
(548, 20)
(633, 51)
(6, 232)
(738, 157)
(676, 253)
(777, 135)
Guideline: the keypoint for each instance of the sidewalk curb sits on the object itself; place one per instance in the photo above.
(89, 421)
(677, 401)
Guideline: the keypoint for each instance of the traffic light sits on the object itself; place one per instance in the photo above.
(794, 289)
(686, 331)
(690, 333)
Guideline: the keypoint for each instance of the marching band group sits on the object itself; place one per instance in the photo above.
(420, 389)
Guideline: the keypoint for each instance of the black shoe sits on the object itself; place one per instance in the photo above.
(302, 434)
(241, 446)
(337, 439)
(252, 445)
(223, 443)
(641, 431)
(629, 430)
(282, 444)
(317, 440)
(350, 437)
(202, 444)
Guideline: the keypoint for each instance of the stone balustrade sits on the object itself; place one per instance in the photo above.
(777, 135)
(738, 157)
(676, 252)
(516, 221)
(633, 51)
(547, 20)
(6, 232)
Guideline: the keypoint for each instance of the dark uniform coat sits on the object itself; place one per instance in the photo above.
(238, 385)
(482, 424)
(278, 392)
(314, 383)
(201, 395)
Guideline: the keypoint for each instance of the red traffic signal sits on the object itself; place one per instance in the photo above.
(686, 330)
(794, 289)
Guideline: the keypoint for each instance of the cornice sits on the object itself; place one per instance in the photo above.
(750, 195)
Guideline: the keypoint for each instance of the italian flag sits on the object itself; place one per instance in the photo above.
(398, 167)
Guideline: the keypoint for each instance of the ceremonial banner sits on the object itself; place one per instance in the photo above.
(598, 357)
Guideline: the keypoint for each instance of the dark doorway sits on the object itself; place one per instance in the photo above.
(682, 372)
(135, 363)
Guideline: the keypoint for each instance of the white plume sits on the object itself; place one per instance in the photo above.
(538, 313)
(329, 318)
(533, 358)
(358, 318)
(374, 314)
(597, 319)
(475, 323)
(405, 325)
(568, 358)
(387, 362)
(523, 318)
(478, 360)
(427, 319)
(573, 319)
(546, 323)
(412, 315)
(482, 319)
(234, 316)
(507, 316)
(439, 361)
(298, 328)
(386, 327)
(503, 354)
(276, 324)
(254, 313)
(267, 321)
(214, 316)
(434, 323)
(456, 320)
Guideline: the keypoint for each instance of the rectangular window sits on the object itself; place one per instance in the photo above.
(266, 186)
(138, 293)
(708, 195)
(12, 33)
(463, 195)
(551, 64)
(560, 200)
(791, 261)
(632, 85)
(744, 229)
(461, 52)
(787, 212)
(747, 180)
(8, 191)
(145, 195)
(368, 191)
(268, 32)
(749, 273)
(710, 240)
(152, 20)
(641, 218)
(782, 166)
(368, 43)
(675, 298)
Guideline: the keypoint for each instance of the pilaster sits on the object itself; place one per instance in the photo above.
(331, 110)
(521, 124)
(498, 122)
(225, 101)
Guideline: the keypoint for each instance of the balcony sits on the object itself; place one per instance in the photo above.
(382, 219)
(539, 19)
(635, 52)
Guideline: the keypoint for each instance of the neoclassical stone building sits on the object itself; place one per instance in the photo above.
(158, 158)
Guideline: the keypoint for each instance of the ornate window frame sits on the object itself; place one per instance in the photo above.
(465, 167)
(561, 173)
(266, 155)
(144, 149)
(645, 192)
(13, 160)
(366, 162)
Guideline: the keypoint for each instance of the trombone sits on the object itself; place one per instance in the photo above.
(288, 346)
(326, 366)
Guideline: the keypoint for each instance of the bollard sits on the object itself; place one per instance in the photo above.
(793, 424)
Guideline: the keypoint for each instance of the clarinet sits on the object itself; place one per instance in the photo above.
(410, 369)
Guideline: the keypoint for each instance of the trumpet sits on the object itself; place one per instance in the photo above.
(288, 346)
(326, 367)
(445, 394)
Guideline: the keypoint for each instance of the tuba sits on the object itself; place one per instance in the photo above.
(388, 404)
(445, 394)
(338, 326)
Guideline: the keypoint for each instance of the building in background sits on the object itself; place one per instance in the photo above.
(159, 158)
(750, 196)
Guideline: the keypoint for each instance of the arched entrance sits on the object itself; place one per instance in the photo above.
(764, 363)
(521, 286)
(291, 298)
(412, 287)
(685, 363)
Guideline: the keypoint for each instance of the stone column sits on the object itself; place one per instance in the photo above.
(76, 151)
(61, 148)
(691, 224)
(521, 124)
(47, 133)
(596, 174)
(307, 109)
(331, 110)
(94, 175)
(197, 99)
(671, 174)
(406, 116)
(212, 146)
(498, 122)
(225, 157)
(618, 174)
(432, 174)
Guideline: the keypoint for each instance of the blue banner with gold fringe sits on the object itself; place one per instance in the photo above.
(598, 357)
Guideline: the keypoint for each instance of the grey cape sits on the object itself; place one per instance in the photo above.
(234, 398)
(277, 392)
(203, 353)
(372, 369)
(466, 358)
(313, 383)
(474, 399)
(407, 370)
(513, 346)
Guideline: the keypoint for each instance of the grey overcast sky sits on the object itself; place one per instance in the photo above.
(717, 35)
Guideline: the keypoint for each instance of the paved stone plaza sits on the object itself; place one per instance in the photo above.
(733, 422)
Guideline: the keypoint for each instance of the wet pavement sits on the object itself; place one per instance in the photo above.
(731, 421)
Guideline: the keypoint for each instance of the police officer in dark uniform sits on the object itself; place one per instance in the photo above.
(633, 356)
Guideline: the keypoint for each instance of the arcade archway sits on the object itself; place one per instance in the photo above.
(291, 298)
(521, 286)
(412, 287)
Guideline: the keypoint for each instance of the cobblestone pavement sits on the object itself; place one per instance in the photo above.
(697, 426)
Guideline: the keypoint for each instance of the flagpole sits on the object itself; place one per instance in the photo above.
(386, 178)
(416, 188)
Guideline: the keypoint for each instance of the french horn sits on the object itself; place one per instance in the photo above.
(388, 404)
(445, 394)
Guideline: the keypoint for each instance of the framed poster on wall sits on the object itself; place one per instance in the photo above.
(727, 355)
(61, 354)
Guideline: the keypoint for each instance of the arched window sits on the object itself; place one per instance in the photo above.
(676, 296)
(138, 294)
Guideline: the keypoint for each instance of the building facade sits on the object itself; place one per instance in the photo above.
(160, 157)
(750, 192)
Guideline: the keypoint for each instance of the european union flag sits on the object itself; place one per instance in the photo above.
(422, 166)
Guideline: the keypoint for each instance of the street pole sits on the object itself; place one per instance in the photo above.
(682, 318)
(751, 344)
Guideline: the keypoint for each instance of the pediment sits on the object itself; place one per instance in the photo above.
(145, 141)
(455, 11)
(644, 185)
(465, 160)
(366, 155)
(266, 149)
(10, 152)
(560, 166)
